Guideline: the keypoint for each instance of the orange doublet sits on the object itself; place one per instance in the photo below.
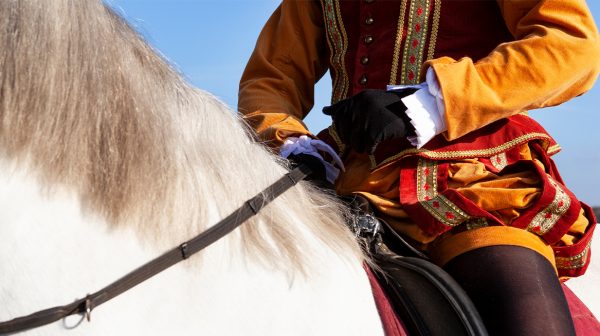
(494, 61)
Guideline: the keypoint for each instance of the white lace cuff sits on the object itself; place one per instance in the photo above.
(307, 145)
(425, 108)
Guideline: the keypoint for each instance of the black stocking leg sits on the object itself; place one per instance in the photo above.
(515, 290)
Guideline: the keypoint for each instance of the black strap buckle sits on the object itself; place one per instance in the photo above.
(366, 226)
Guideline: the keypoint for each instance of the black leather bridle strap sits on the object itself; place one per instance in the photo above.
(170, 258)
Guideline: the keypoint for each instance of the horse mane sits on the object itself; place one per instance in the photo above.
(88, 106)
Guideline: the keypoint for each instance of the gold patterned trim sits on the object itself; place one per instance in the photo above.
(419, 14)
(553, 149)
(338, 44)
(437, 11)
(487, 152)
(499, 161)
(426, 180)
(576, 261)
(398, 43)
(547, 218)
(340, 145)
(441, 208)
(416, 38)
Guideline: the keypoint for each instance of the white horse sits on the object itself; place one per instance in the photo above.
(108, 158)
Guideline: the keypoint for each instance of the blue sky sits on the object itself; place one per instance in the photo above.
(209, 41)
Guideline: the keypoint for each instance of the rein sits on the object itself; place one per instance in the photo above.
(159, 264)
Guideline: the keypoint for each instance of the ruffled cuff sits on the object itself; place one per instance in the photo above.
(307, 145)
(425, 108)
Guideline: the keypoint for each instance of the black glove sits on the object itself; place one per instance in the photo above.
(371, 116)
(318, 176)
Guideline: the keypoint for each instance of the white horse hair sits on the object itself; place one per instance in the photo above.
(108, 158)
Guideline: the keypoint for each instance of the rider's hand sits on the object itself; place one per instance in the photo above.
(318, 174)
(370, 117)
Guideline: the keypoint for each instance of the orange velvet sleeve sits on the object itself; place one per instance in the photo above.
(554, 58)
(277, 86)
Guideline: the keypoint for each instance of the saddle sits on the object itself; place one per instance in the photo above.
(426, 299)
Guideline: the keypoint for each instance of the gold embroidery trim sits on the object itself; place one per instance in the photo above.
(499, 161)
(398, 44)
(426, 176)
(345, 81)
(338, 44)
(341, 146)
(416, 38)
(576, 261)
(441, 208)
(553, 149)
(487, 152)
(437, 10)
(547, 218)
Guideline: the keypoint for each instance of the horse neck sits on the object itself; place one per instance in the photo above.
(59, 252)
(54, 245)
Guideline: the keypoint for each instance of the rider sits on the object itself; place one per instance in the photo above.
(429, 116)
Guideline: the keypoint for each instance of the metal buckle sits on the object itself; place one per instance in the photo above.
(366, 226)
(88, 308)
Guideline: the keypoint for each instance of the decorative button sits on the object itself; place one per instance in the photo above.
(363, 80)
(369, 20)
(364, 60)
(368, 39)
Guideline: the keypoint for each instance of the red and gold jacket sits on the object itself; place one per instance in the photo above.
(494, 60)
